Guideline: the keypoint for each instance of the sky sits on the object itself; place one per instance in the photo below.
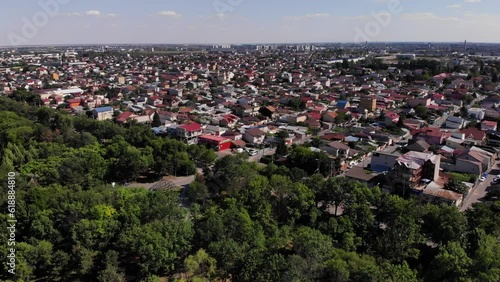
(35, 22)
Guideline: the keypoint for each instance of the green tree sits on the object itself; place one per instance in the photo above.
(421, 111)
(444, 223)
(401, 120)
(200, 264)
(450, 264)
(197, 192)
(111, 273)
(456, 186)
(156, 120)
(281, 149)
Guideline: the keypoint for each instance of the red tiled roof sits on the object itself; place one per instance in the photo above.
(191, 127)
(314, 115)
(215, 138)
(476, 133)
(489, 123)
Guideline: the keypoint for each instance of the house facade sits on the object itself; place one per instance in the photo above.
(103, 113)
(254, 135)
(189, 133)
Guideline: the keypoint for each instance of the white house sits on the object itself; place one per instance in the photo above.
(254, 135)
(476, 113)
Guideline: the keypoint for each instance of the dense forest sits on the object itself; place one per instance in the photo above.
(243, 221)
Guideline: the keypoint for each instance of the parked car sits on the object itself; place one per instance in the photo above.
(252, 152)
(239, 150)
(496, 180)
(482, 178)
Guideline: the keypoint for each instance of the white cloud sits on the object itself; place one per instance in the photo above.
(221, 16)
(358, 18)
(472, 1)
(93, 13)
(172, 14)
(455, 6)
(426, 16)
(307, 16)
(75, 14)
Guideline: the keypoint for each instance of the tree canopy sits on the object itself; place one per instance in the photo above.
(239, 220)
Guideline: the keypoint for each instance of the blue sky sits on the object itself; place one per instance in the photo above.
(27, 22)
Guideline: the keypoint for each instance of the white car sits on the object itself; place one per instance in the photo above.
(482, 179)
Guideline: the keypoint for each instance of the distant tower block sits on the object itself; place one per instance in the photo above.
(465, 45)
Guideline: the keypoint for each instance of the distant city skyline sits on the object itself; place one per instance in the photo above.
(52, 22)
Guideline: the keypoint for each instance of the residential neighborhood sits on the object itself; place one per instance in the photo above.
(250, 141)
(409, 129)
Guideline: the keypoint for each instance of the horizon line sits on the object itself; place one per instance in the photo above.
(250, 43)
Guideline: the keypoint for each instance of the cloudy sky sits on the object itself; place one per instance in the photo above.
(30, 22)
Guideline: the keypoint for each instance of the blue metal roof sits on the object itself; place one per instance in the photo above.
(103, 109)
(342, 103)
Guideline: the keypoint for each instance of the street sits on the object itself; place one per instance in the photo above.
(480, 190)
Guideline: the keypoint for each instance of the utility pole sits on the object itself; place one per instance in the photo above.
(175, 166)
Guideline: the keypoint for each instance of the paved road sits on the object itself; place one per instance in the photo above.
(480, 190)
(440, 121)
(262, 152)
(177, 181)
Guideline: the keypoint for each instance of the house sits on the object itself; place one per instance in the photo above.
(254, 135)
(431, 135)
(455, 122)
(218, 143)
(435, 194)
(329, 116)
(189, 132)
(491, 154)
(229, 120)
(456, 141)
(391, 118)
(333, 137)
(488, 125)
(268, 111)
(476, 113)
(493, 138)
(359, 174)
(233, 135)
(72, 103)
(154, 101)
(125, 117)
(384, 160)
(337, 149)
(368, 103)
(103, 113)
(466, 166)
(474, 136)
(343, 104)
(296, 118)
(413, 103)
(412, 168)
(214, 130)
(244, 110)
(419, 146)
